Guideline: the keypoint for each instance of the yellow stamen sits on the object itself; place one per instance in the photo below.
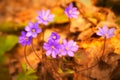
(33, 30)
(54, 37)
(44, 18)
(53, 47)
(106, 35)
(70, 11)
(67, 48)
(26, 38)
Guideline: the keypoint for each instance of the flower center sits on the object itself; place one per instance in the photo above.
(26, 38)
(53, 47)
(60, 50)
(33, 30)
(44, 18)
(67, 48)
(70, 11)
(106, 35)
(54, 37)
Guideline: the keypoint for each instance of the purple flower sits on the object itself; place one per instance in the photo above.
(54, 36)
(32, 29)
(44, 17)
(52, 48)
(24, 40)
(106, 32)
(71, 11)
(68, 48)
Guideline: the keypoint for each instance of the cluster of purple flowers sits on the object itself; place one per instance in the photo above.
(54, 48)
(32, 30)
(44, 17)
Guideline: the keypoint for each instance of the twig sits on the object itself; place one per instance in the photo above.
(88, 68)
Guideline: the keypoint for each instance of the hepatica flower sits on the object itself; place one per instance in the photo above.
(45, 17)
(71, 11)
(68, 48)
(32, 29)
(106, 32)
(52, 48)
(24, 40)
(54, 36)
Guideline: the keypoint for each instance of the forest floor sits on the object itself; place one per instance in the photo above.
(87, 64)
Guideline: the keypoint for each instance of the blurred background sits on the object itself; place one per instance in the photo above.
(15, 15)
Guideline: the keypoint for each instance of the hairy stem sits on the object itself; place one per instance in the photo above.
(103, 47)
(43, 35)
(26, 57)
(35, 51)
(69, 25)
